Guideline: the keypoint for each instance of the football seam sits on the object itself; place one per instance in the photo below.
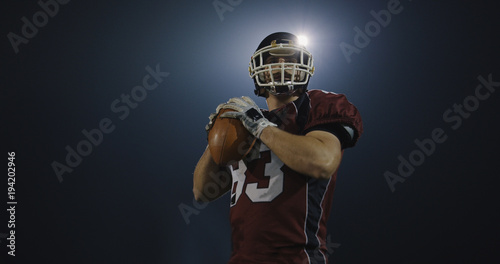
(221, 157)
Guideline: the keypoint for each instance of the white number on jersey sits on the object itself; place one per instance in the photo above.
(272, 170)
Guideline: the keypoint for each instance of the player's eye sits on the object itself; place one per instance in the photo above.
(272, 60)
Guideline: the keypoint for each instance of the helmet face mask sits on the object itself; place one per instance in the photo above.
(280, 65)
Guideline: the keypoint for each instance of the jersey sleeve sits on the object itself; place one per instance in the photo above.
(333, 110)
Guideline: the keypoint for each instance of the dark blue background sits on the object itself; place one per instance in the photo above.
(121, 204)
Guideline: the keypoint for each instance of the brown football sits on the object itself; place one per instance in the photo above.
(228, 140)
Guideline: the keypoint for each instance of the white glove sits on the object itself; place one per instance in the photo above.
(249, 114)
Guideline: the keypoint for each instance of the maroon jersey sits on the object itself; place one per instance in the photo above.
(278, 215)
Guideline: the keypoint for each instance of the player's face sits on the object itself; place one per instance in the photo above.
(277, 72)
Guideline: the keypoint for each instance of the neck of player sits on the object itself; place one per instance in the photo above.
(275, 101)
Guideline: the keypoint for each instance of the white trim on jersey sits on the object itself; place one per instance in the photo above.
(305, 220)
(321, 215)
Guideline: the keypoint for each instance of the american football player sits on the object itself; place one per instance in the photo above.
(281, 193)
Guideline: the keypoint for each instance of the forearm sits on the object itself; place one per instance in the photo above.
(304, 154)
(206, 174)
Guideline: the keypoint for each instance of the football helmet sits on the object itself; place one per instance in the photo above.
(281, 65)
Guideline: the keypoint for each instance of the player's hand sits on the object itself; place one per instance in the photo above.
(249, 113)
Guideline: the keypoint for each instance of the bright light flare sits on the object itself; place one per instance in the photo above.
(302, 40)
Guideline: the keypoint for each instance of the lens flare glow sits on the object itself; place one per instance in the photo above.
(302, 40)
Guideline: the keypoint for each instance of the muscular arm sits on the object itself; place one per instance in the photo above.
(206, 172)
(317, 154)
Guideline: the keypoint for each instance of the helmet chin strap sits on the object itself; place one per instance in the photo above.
(261, 91)
(285, 90)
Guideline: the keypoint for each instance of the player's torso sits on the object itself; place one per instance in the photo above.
(274, 210)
